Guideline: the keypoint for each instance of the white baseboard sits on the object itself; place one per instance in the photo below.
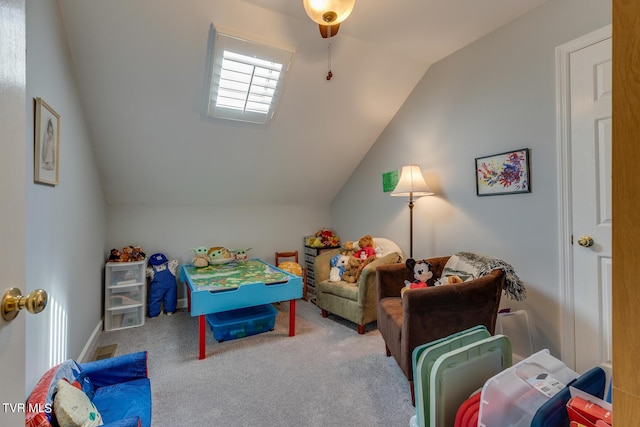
(93, 339)
(182, 303)
(91, 343)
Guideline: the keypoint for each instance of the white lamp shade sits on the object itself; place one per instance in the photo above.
(328, 12)
(411, 183)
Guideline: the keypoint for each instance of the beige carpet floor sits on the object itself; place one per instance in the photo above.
(327, 375)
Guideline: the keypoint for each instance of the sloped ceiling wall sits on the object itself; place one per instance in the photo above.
(141, 71)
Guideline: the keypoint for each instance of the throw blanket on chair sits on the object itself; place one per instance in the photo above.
(468, 266)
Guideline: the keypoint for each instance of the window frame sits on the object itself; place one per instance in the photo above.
(266, 59)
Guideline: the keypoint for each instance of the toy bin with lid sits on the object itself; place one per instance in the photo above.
(242, 322)
(512, 397)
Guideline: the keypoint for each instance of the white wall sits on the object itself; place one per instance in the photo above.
(494, 95)
(175, 229)
(70, 228)
(65, 224)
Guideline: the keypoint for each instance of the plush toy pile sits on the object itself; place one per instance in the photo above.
(323, 238)
(203, 256)
(128, 254)
(353, 258)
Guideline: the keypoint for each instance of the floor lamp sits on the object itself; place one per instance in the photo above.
(412, 184)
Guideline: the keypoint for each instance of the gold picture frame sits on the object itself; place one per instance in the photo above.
(46, 153)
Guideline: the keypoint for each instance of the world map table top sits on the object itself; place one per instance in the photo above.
(236, 285)
(225, 277)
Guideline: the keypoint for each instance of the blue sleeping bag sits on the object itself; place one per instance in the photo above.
(120, 389)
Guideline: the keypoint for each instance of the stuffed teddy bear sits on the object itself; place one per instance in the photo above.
(348, 248)
(421, 273)
(452, 280)
(360, 259)
(354, 268)
(201, 259)
(137, 254)
(351, 273)
(125, 256)
(449, 280)
(162, 289)
(338, 264)
(366, 249)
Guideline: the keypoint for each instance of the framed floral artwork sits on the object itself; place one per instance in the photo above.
(504, 173)
(46, 153)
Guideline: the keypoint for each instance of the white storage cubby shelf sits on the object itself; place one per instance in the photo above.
(124, 294)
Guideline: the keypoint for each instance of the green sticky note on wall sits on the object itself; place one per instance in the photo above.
(389, 181)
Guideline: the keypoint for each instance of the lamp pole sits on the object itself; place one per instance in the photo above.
(411, 225)
(411, 183)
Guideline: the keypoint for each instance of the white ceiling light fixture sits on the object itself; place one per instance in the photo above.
(328, 12)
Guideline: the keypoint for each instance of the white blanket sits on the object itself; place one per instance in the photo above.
(469, 266)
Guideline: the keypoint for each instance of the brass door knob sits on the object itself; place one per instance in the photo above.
(585, 241)
(13, 302)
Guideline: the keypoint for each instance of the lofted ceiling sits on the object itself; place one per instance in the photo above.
(141, 69)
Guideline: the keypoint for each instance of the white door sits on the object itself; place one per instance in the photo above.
(12, 204)
(590, 144)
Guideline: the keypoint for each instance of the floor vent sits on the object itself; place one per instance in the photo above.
(105, 352)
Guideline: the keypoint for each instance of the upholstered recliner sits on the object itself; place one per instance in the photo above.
(426, 314)
(356, 302)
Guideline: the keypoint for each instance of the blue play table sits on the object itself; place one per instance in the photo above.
(238, 284)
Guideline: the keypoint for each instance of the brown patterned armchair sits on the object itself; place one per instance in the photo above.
(424, 315)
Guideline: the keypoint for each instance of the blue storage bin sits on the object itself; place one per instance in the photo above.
(243, 322)
(554, 411)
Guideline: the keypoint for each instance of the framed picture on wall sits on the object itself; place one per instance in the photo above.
(504, 173)
(46, 151)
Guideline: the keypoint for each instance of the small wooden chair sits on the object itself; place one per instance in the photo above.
(293, 254)
(302, 271)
